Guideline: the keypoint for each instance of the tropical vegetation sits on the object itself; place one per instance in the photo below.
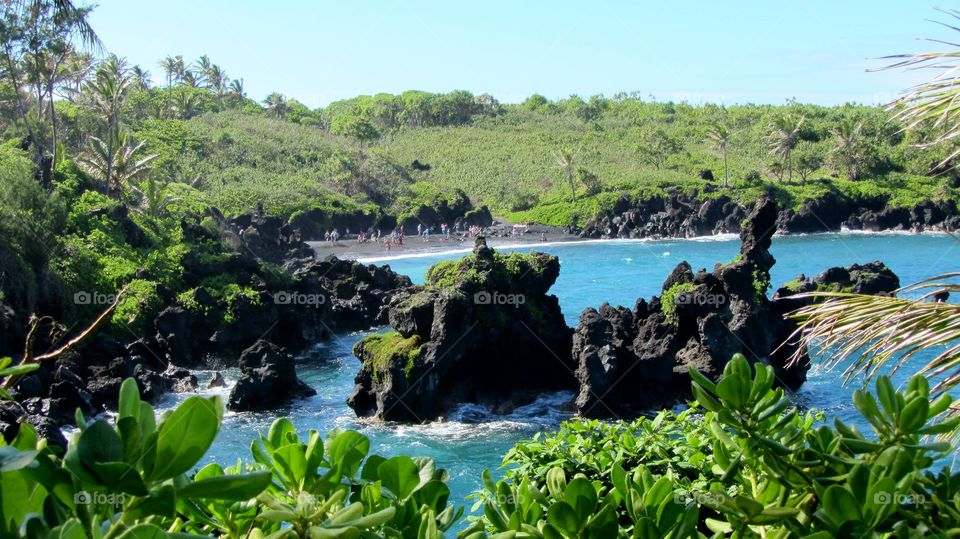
(93, 144)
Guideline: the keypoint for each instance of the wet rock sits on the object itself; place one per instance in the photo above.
(216, 381)
(269, 379)
(681, 215)
(631, 360)
(483, 329)
(873, 278)
(181, 380)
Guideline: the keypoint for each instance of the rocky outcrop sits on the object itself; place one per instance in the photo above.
(681, 215)
(451, 210)
(632, 359)
(318, 297)
(482, 329)
(300, 308)
(873, 278)
(269, 379)
(676, 215)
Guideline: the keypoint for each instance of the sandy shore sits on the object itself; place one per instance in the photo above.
(413, 245)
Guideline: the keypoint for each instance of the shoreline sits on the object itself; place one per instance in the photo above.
(415, 247)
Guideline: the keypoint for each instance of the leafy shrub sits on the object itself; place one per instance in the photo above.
(131, 478)
(759, 469)
(668, 301)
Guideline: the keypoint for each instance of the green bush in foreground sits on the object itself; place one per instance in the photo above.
(741, 463)
(129, 479)
(750, 466)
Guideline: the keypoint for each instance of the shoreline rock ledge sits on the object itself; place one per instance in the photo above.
(483, 329)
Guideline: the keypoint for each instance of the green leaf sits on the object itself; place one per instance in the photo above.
(162, 501)
(129, 402)
(120, 476)
(733, 391)
(227, 487)
(71, 529)
(18, 370)
(144, 531)
(185, 436)
(314, 452)
(400, 476)
(701, 380)
(282, 432)
(370, 467)
(556, 482)
(840, 505)
(99, 443)
(11, 459)
(914, 415)
(563, 517)
(131, 438)
(582, 497)
(347, 451)
(434, 494)
(293, 461)
(748, 505)
(888, 396)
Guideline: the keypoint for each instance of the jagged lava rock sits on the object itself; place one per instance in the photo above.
(482, 329)
(269, 379)
(630, 360)
(873, 278)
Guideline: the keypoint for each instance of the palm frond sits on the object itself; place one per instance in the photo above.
(863, 334)
(936, 102)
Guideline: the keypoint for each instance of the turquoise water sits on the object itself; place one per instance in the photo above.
(619, 272)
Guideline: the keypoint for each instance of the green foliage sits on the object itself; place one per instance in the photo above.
(761, 283)
(668, 300)
(117, 476)
(133, 477)
(29, 218)
(750, 466)
(383, 348)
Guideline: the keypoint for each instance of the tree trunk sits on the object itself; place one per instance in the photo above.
(109, 159)
(53, 124)
(725, 169)
(790, 167)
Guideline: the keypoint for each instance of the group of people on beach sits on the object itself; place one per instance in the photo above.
(396, 237)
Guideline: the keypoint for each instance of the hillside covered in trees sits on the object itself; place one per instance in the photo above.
(197, 136)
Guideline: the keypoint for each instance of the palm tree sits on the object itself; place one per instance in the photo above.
(566, 161)
(174, 69)
(139, 78)
(150, 197)
(849, 154)
(39, 38)
(116, 162)
(277, 105)
(237, 93)
(783, 138)
(185, 105)
(203, 70)
(191, 78)
(719, 135)
(217, 80)
(109, 90)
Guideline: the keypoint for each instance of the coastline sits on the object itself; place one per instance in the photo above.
(374, 253)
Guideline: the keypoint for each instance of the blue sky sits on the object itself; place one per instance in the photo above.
(725, 52)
